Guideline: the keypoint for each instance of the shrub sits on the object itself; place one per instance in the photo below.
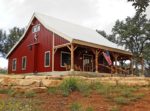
(75, 107)
(69, 85)
(84, 88)
(30, 94)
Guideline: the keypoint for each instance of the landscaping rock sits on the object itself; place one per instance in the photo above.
(9, 82)
(29, 82)
(51, 83)
(36, 77)
(38, 89)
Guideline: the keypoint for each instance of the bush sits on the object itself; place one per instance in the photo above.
(75, 107)
(69, 85)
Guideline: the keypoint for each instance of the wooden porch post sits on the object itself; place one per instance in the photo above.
(116, 57)
(96, 61)
(72, 57)
(53, 52)
(131, 65)
(142, 65)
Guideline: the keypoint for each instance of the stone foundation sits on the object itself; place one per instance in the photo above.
(41, 83)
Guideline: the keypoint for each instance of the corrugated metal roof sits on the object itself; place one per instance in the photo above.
(72, 31)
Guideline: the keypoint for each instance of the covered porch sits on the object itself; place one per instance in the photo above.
(84, 58)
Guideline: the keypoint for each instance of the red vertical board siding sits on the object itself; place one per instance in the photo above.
(35, 57)
(59, 40)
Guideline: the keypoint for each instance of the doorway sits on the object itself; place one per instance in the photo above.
(88, 62)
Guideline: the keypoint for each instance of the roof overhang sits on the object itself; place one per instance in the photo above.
(102, 47)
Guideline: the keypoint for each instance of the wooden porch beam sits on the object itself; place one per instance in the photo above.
(69, 47)
(61, 46)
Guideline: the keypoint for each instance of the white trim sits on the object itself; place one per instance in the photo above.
(24, 57)
(15, 59)
(21, 36)
(45, 59)
(83, 60)
(61, 57)
(36, 26)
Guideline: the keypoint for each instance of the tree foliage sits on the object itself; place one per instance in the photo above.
(7, 41)
(140, 5)
(2, 41)
(134, 33)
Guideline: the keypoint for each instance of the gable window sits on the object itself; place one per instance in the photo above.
(47, 59)
(36, 28)
(65, 58)
(14, 64)
(24, 63)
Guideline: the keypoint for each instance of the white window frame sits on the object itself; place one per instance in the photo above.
(24, 68)
(36, 28)
(61, 57)
(45, 59)
(14, 69)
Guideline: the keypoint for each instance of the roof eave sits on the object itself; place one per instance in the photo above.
(100, 46)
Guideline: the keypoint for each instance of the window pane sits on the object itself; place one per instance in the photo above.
(66, 59)
(24, 63)
(47, 58)
(14, 63)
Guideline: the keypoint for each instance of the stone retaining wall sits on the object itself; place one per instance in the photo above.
(40, 83)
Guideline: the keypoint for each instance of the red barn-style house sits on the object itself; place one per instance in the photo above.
(50, 44)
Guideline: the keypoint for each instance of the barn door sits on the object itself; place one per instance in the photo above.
(87, 63)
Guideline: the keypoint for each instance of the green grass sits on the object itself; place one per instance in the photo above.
(74, 84)
(18, 105)
(75, 107)
(52, 90)
(89, 109)
(30, 94)
(121, 100)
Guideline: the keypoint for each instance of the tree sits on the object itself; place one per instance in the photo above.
(2, 41)
(134, 33)
(140, 5)
(7, 41)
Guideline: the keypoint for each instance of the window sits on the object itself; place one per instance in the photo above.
(24, 62)
(47, 59)
(14, 64)
(65, 58)
(36, 28)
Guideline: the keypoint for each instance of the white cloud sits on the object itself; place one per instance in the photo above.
(3, 63)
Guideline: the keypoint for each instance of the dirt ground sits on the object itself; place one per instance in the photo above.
(57, 102)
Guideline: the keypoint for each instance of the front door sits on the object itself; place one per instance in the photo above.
(87, 63)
